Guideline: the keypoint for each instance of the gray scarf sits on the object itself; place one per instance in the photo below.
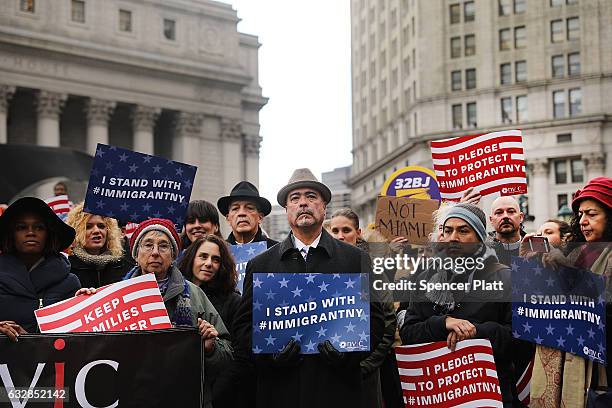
(98, 260)
(445, 298)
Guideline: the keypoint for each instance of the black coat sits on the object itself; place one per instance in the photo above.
(313, 382)
(259, 237)
(226, 305)
(22, 292)
(94, 275)
(493, 321)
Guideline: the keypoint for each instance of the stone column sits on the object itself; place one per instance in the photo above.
(143, 122)
(6, 93)
(251, 153)
(98, 113)
(594, 165)
(186, 141)
(539, 184)
(48, 107)
(403, 132)
(231, 147)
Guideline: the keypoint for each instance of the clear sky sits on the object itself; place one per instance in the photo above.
(304, 68)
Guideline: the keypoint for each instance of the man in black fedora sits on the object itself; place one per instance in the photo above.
(331, 378)
(244, 209)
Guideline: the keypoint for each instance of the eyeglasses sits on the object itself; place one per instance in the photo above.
(163, 248)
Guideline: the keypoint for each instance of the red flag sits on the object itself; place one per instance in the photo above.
(493, 163)
(432, 375)
(59, 204)
(133, 304)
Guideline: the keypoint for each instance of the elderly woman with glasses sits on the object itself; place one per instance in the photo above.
(155, 245)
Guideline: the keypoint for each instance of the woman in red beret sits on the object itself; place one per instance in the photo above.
(578, 379)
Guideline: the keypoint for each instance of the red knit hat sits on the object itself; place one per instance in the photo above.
(155, 224)
(600, 189)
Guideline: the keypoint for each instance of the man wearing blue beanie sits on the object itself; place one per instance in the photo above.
(452, 315)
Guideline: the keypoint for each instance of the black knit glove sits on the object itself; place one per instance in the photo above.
(331, 354)
(289, 356)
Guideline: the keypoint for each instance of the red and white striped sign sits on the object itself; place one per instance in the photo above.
(493, 164)
(133, 304)
(523, 386)
(433, 376)
(130, 227)
(59, 204)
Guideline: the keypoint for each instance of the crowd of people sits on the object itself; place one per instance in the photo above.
(44, 260)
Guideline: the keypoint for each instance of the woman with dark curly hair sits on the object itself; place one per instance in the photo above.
(209, 264)
(589, 247)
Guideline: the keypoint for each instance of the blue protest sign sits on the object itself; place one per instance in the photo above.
(563, 309)
(132, 186)
(310, 308)
(243, 253)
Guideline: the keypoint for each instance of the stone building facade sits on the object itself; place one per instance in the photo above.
(424, 70)
(166, 77)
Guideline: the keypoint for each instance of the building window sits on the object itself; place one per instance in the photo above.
(520, 37)
(456, 80)
(573, 28)
(469, 11)
(470, 45)
(564, 138)
(505, 73)
(556, 31)
(455, 47)
(455, 13)
(169, 29)
(572, 1)
(519, 6)
(505, 39)
(506, 110)
(575, 101)
(457, 117)
(471, 115)
(559, 104)
(560, 172)
(558, 66)
(573, 63)
(556, 3)
(470, 78)
(27, 6)
(520, 71)
(561, 200)
(504, 7)
(522, 114)
(77, 10)
(577, 171)
(125, 21)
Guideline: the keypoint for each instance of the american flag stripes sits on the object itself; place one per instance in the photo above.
(133, 304)
(59, 204)
(432, 375)
(493, 163)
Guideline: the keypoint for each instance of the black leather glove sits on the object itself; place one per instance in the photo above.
(289, 356)
(331, 354)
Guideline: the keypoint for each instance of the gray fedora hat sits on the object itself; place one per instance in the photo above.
(303, 178)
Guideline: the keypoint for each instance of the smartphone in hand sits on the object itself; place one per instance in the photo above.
(539, 244)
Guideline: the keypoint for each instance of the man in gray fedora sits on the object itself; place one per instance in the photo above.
(288, 378)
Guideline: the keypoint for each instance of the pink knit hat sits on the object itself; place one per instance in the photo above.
(599, 188)
(155, 224)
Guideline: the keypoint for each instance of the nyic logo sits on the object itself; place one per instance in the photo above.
(79, 381)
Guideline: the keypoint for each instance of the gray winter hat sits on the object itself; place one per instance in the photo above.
(303, 178)
(471, 214)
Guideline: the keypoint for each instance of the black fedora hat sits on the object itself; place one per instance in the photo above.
(244, 191)
(65, 233)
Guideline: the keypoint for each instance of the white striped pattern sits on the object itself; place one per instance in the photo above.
(409, 386)
(411, 371)
(479, 139)
(153, 306)
(140, 294)
(481, 403)
(67, 327)
(159, 320)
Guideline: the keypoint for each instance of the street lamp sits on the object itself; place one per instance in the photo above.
(565, 213)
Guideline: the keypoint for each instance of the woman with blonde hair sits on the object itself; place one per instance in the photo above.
(97, 258)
